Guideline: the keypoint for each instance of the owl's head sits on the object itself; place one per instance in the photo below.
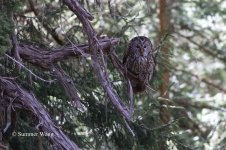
(141, 46)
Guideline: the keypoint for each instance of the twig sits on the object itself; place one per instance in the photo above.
(189, 103)
(203, 48)
(160, 127)
(207, 81)
(52, 32)
(130, 97)
(161, 43)
(77, 49)
(20, 64)
(129, 128)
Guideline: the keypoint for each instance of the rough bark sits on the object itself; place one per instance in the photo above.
(45, 58)
(164, 27)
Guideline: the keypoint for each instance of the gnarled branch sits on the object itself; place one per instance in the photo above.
(44, 58)
(26, 100)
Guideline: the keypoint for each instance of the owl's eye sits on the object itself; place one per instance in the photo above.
(145, 46)
(137, 47)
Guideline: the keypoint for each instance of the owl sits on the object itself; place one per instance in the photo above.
(139, 61)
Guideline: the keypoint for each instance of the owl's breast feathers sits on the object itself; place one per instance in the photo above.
(142, 68)
(139, 65)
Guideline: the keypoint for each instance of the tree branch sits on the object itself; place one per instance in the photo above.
(28, 101)
(208, 82)
(198, 105)
(84, 17)
(44, 58)
(203, 48)
(47, 59)
(53, 33)
(24, 67)
(68, 86)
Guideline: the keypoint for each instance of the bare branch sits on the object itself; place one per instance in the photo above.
(26, 100)
(198, 105)
(129, 128)
(44, 58)
(203, 48)
(68, 86)
(45, 25)
(209, 82)
(80, 12)
(78, 9)
(21, 65)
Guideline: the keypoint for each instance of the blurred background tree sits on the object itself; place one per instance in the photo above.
(186, 108)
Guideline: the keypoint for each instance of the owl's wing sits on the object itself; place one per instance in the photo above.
(151, 67)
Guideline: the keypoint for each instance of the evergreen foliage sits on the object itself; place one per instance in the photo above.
(196, 64)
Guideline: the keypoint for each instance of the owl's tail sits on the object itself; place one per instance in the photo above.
(138, 87)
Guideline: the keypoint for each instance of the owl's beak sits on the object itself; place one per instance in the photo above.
(142, 51)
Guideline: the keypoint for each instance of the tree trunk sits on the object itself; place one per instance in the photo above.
(164, 29)
(164, 20)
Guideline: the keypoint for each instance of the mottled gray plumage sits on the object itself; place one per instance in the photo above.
(138, 59)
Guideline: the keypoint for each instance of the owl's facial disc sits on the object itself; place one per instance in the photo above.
(140, 49)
